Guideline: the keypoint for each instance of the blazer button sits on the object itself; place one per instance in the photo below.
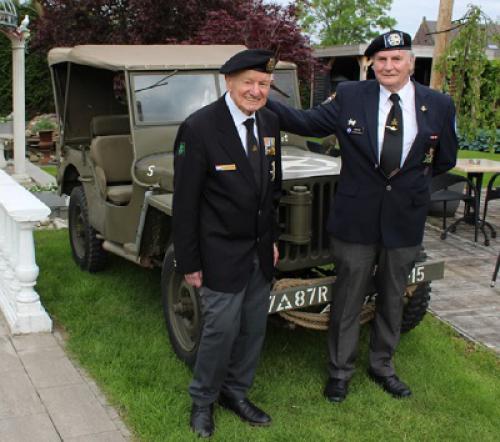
(257, 240)
(259, 212)
(388, 188)
(375, 166)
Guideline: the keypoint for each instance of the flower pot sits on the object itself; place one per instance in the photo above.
(46, 140)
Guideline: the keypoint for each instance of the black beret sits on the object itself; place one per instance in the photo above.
(390, 40)
(255, 59)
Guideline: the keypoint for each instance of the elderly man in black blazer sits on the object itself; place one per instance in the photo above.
(394, 135)
(227, 188)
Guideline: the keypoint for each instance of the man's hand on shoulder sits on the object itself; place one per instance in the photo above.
(194, 279)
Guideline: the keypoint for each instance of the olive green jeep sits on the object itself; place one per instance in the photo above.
(119, 108)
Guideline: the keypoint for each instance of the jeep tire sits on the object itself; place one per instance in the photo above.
(85, 246)
(416, 304)
(181, 307)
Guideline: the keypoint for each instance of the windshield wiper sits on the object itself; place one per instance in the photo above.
(277, 89)
(161, 82)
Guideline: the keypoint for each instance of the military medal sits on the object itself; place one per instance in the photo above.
(269, 143)
(273, 170)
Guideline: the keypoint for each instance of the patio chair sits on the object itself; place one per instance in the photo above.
(441, 193)
(492, 193)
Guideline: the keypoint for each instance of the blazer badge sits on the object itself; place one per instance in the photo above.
(429, 156)
(224, 167)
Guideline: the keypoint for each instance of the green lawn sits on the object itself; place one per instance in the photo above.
(115, 330)
(52, 170)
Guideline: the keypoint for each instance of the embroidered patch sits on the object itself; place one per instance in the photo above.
(182, 148)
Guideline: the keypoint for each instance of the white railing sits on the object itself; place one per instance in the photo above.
(19, 213)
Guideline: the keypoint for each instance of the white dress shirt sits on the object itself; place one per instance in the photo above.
(239, 118)
(407, 103)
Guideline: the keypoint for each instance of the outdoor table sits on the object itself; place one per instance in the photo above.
(475, 168)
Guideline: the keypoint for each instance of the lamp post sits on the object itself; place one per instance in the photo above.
(17, 36)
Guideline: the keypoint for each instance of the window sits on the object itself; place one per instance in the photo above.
(170, 97)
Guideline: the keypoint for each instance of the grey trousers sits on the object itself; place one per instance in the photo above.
(234, 327)
(355, 264)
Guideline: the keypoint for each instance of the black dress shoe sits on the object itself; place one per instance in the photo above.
(202, 420)
(246, 411)
(336, 389)
(391, 384)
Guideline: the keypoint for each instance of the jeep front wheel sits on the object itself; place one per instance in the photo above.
(85, 246)
(181, 307)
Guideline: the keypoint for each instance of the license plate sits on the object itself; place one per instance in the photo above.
(306, 295)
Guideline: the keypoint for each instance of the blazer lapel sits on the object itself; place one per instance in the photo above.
(420, 103)
(231, 142)
(261, 128)
(371, 116)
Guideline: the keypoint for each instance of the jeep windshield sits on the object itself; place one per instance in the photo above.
(170, 97)
(285, 82)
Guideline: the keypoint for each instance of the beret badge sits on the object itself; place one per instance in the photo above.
(270, 65)
(393, 39)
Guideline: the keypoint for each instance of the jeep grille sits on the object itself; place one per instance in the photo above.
(317, 250)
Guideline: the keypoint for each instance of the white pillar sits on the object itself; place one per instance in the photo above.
(18, 96)
(31, 316)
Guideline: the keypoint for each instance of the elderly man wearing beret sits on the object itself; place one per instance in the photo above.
(227, 189)
(394, 136)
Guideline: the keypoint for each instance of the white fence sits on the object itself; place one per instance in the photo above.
(20, 303)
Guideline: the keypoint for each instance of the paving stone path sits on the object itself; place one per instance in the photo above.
(45, 396)
(464, 297)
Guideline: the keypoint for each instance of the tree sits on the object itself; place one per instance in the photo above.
(72, 22)
(472, 80)
(336, 22)
(259, 25)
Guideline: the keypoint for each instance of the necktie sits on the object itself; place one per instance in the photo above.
(392, 147)
(253, 151)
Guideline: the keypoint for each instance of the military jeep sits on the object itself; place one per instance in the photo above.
(119, 109)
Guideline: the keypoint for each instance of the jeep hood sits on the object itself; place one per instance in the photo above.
(299, 163)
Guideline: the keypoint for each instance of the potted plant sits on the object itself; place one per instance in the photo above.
(44, 127)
